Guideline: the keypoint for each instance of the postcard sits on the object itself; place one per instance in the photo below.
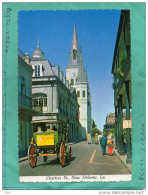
(77, 80)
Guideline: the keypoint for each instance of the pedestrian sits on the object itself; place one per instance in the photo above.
(110, 144)
(39, 129)
(96, 138)
(125, 146)
(103, 142)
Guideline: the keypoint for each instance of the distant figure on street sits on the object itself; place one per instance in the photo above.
(103, 143)
(96, 138)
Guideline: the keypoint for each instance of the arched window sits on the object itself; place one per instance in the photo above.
(78, 93)
(39, 100)
(74, 54)
(83, 93)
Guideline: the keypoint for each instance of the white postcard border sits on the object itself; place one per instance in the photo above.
(77, 178)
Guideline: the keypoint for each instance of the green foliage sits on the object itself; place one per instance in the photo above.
(114, 86)
(119, 73)
(94, 131)
(113, 131)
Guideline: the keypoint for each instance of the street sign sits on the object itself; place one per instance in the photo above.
(127, 124)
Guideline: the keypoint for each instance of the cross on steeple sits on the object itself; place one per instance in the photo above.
(38, 43)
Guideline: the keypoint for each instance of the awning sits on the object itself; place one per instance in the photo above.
(48, 121)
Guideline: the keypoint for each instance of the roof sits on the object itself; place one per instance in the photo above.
(38, 53)
(81, 73)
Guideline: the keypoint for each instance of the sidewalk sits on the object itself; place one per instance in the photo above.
(23, 159)
(123, 160)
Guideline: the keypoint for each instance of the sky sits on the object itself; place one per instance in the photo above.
(97, 32)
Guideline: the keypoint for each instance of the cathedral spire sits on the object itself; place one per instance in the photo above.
(75, 44)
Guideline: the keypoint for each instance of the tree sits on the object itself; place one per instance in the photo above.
(94, 131)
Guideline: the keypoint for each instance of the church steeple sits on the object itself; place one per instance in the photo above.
(74, 55)
(75, 44)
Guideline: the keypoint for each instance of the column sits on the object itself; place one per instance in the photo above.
(120, 125)
(128, 131)
(116, 127)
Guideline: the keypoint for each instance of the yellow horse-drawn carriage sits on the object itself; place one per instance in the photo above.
(49, 142)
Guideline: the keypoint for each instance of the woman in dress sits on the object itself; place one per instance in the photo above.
(110, 144)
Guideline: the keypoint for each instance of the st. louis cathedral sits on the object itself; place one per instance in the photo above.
(75, 73)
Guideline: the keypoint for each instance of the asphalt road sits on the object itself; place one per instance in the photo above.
(86, 160)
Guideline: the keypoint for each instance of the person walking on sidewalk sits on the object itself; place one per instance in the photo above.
(110, 144)
(103, 142)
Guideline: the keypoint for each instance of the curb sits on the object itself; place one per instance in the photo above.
(23, 159)
(122, 162)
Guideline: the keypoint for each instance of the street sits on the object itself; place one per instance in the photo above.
(86, 160)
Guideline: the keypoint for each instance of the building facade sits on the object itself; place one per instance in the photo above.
(53, 95)
(121, 69)
(77, 78)
(109, 123)
(25, 110)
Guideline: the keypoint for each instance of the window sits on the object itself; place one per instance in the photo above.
(23, 86)
(88, 103)
(72, 81)
(83, 93)
(78, 93)
(74, 54)
(37, 70)
(39, 100)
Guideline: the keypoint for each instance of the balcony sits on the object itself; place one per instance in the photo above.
(24, 100)
(127, 65)
(121, 75)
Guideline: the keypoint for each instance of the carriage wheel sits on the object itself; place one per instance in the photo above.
(62, 154)
(45, 158)
(32, 158)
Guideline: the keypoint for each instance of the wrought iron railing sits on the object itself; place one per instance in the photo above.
(24, 100)
(127, 65)
(37, 108)
(126, 70)
(119, 84)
